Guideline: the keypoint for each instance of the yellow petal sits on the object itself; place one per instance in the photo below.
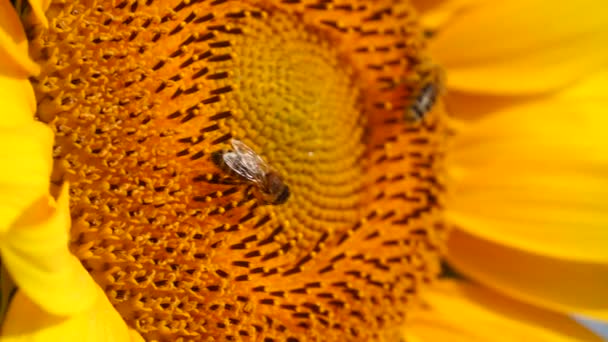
(18, 101)
(523, 46)
(25, 151)
(464, 312)
(535, 175)
(14, 57)
(556, 284)
(435, 14)
(27, 321)
(39, 7)
(35, 251)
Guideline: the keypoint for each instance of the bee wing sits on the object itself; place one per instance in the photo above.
(246, 163)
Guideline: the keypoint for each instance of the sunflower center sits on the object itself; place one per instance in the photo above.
(141, 94)
(293, 93)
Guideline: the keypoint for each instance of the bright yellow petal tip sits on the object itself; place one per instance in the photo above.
(35, 253)
(25, 151)
(464, 312)
(26, 321)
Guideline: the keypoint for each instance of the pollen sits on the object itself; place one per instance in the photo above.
(141, 93)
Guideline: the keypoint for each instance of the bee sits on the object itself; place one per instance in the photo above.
(244, 164)
(425, 96)
(422, 103)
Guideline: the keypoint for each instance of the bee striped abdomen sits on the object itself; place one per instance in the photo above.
(422, 103)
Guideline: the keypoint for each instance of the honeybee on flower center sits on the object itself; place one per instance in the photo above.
(425, 95)
(242, 163)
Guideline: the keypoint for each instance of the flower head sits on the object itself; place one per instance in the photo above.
(140, 97)
(344, 102)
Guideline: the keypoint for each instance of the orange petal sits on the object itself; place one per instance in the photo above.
(26, 321)
(14, 57)
(559, 285)
(523, 46)
(534, 175)
(464, 312)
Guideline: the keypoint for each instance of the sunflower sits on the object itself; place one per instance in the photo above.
(118, 225)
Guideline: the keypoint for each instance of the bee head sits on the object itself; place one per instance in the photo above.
(217, 158)
(277, 188)
(283, 196)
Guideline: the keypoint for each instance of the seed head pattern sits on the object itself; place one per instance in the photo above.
(141, 93)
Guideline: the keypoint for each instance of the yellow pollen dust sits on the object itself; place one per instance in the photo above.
(142, 93)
